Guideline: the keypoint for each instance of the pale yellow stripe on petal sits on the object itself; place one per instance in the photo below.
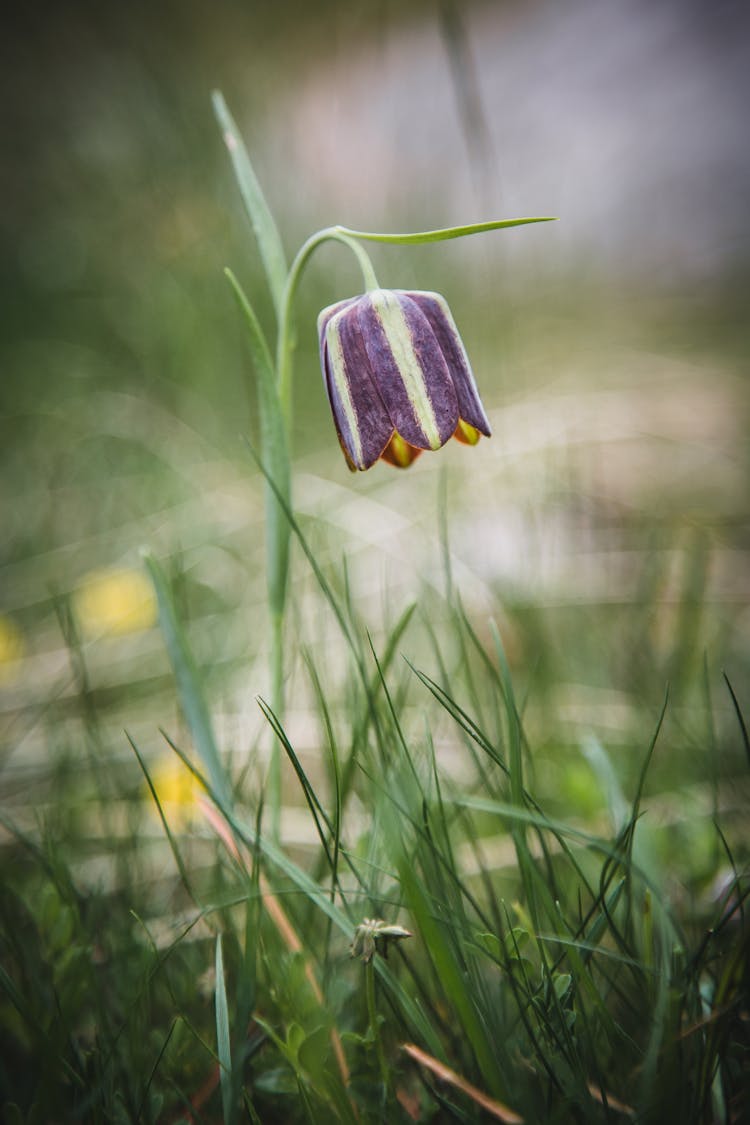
(398, 335)
(337, 368)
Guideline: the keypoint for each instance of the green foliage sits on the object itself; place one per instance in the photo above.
(577, 905)
(418, 238)
(568, 984)
(265, 229)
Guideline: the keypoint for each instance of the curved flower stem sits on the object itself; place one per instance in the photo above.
(286, 337)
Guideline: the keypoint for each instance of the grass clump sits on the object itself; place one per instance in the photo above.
(557, 968)
(417, 891)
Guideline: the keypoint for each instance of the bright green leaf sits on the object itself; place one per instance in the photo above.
(445, 233)
(273, 443)
(314, 1051)
(491, 943)
(266, 231)
(561, 983)
(295, 1037)
(515, 940)
(223, 1046)
(188, 684)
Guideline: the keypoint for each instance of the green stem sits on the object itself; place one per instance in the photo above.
(277, 526)
(277, 705)
(286, 337)
(374, 1026)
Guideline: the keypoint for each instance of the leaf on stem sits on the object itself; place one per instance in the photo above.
(189, 687)
(266, 231)
(223, 1046)
(273, 443)
(445, 233)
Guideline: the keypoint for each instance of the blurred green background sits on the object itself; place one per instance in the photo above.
(605, 524)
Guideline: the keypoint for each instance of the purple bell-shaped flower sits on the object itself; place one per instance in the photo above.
(397, 376)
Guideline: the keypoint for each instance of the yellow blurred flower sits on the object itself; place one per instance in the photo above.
(12, 648)
(178, 791)
(113, 602)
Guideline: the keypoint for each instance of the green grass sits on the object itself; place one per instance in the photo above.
(580, 944)
(516, 678)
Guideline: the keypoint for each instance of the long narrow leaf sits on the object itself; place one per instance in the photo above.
(445, 233)
(223, 1045)
(449, 971)
(325, 586)
(273, 442)
(629, 830)
(316, 809)
(266, 231)
(259, 348)
(165, 823)
(740, 717)
(188, 684)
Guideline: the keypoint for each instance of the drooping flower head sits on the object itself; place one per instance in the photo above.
(397, 376)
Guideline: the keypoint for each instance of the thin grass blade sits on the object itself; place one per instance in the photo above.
(451, 976)
(165, 823)
(635, 811)
(273, 442)
(740, 717)
(266, 231)
(189, 686)
(223, 1043)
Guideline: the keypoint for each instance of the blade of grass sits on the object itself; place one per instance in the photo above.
(598, 759)
(172, 842)
(317, 894)
(534, 883)
(476, 735)
(461, 717)
(335, 778)
(360, 732)
(325, 586)
(189, 686)
(274, 443)
(223, 1043)
(437, 932)
(557, 828)
(629, 830)
(740, 717)
(266, 232)
(248, 972)
(394, 794)
(451, 977)
(155, 1067)
(317, 811)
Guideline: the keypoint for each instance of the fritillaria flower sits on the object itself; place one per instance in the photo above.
(397, 376)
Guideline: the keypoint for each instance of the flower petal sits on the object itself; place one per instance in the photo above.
(399, 453)
(408, 368)
(466, 434)
(435, 309)
(363, 424)
(325, 315)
